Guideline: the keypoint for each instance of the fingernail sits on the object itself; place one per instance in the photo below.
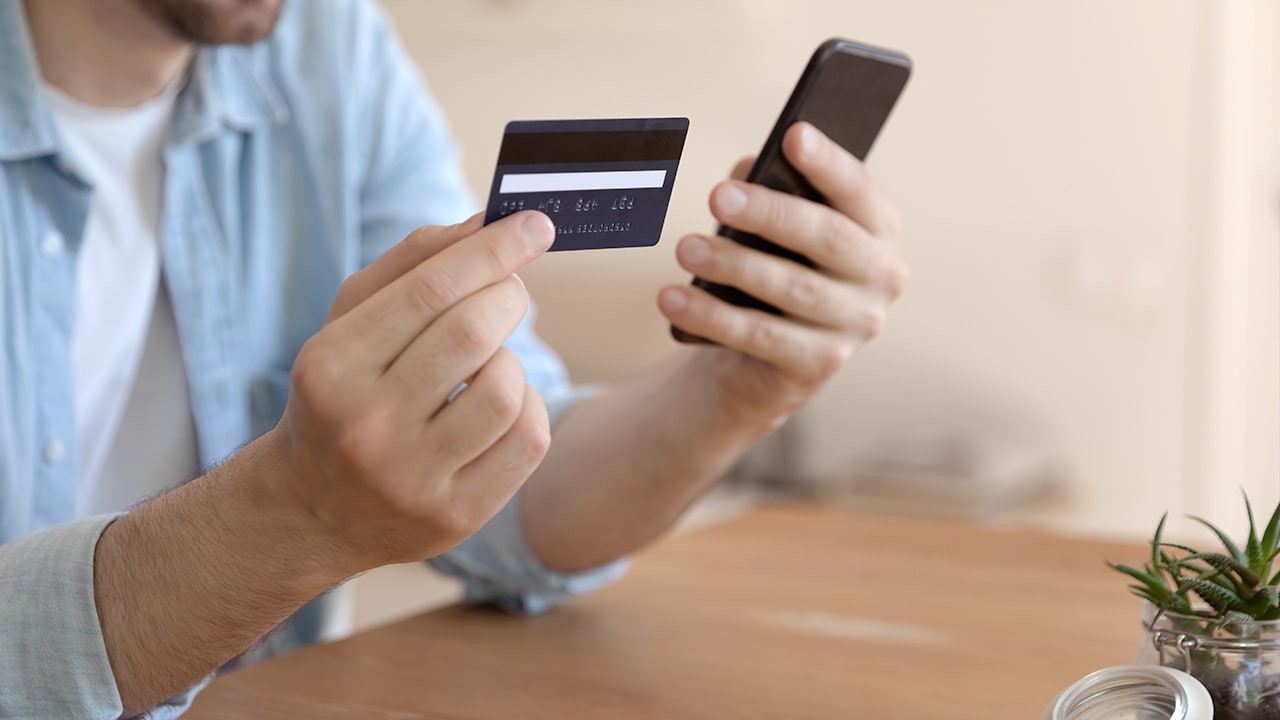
(695, 250)
(730, 199)
(673, 300)
(808, 140)
(537, 230)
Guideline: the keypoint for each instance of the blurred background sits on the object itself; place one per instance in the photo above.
(1091, 192)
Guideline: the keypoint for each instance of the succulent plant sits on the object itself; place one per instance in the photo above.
(1235, 585)
(1226, 601)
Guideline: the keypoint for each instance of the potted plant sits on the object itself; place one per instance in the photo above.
(1216, 615)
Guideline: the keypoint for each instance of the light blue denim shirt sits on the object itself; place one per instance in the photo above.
(289, 165)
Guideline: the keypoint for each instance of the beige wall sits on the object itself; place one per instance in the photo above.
(1089, 188)
(1241, 357)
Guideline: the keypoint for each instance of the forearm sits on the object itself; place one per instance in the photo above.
(192, 578)
(625, 464)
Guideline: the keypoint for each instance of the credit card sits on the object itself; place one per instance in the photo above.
(604, 183)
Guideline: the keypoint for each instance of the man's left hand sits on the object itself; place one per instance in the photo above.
(770, 365)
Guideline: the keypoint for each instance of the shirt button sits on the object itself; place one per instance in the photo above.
(51, 243)
(54, 452)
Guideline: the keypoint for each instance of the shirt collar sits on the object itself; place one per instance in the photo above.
(26, 125)
(230, 88)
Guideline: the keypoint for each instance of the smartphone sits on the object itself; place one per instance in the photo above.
(847, 91)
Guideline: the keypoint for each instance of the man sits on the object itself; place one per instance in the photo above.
(209, 260)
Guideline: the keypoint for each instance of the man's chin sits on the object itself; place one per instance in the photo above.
(216, 22)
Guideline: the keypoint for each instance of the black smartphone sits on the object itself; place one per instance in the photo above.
(847, 91)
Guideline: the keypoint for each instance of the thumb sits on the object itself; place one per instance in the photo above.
(417, 247)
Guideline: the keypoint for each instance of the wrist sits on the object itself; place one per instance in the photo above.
(185, 582)
(268, 482)
(721, 404)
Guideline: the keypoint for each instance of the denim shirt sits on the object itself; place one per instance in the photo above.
(289, 165)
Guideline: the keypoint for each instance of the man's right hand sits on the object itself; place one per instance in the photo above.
(383, 464)
(371, 463)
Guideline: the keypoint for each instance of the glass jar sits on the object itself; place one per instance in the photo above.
(1238, 663)
(1133, 693)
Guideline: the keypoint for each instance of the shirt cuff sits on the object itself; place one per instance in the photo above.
(53, 660)
(499, 567)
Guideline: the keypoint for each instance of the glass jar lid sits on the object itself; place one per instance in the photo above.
(1133, 692)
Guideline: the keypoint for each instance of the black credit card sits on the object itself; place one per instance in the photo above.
(603, 183)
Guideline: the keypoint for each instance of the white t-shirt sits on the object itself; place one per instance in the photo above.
(135, 429)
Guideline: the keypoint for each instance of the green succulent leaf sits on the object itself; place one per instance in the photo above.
(1199, 566)
(1224, 580)
(1227, 566)
(1155, 541)
(1218, 597)
(1252, 547)
(1222, 537)
(1230, 587)
(1237, 617)
(1271, 536)
(1259, 605)
(1266, 566)
(1142, 592)
(1177, 603)
(1153, 583)
(1169, 566)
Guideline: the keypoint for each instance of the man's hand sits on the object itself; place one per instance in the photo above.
(371, 464)
(389, 467)
(770, 365)
(627, 462)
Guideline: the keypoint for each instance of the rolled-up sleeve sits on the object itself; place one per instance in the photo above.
(53, 661)
(499, 567)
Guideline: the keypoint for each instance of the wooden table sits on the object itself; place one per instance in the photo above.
(785, 613)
